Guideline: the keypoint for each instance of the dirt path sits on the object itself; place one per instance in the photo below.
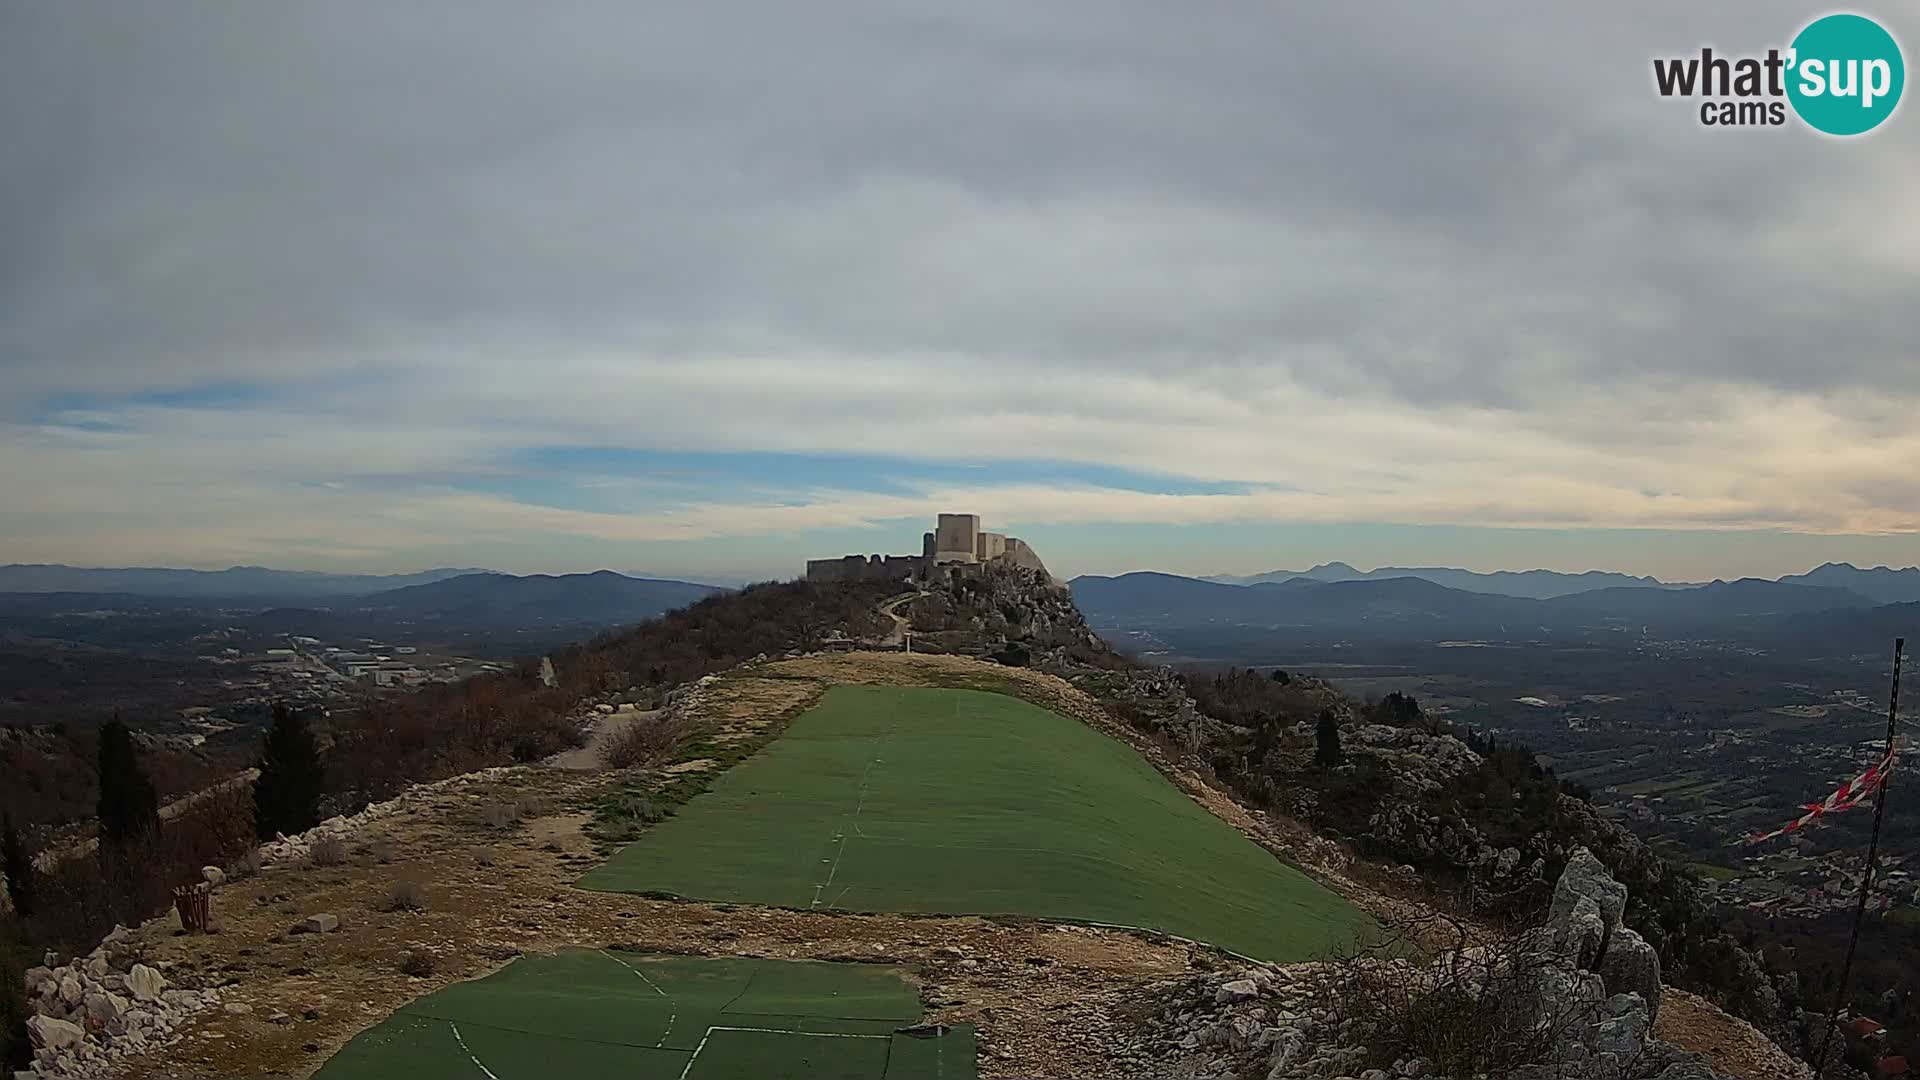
(606, 726)
(891, 609)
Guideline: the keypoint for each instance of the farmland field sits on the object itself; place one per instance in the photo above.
(601, 1013)
(884, 799)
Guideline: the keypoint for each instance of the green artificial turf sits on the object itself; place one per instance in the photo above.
(886, 799)
(592, 1013)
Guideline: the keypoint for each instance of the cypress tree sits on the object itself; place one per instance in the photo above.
(128, 803)
(1327, 753)
(286, 797)
(19, 868)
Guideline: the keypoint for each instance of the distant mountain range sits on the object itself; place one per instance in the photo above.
(1416, 605)
(603, 598)
(236, 582)
(1879, 584)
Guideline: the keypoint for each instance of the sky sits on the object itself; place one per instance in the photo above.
(703, 290)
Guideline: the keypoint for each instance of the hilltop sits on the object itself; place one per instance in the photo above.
(1407, 823)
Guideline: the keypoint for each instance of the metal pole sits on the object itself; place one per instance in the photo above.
(1873, 851)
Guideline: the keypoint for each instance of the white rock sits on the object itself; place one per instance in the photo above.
(71, 991)
(321, 924)
(213, 876)
(54, 1034)
(1236, 990)
(145, 983)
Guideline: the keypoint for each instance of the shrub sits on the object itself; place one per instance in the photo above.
(381, 851)
(246, 866)
(483, 857)
(17, 863)
(1473, 1011)
(499, 815)
(129, 805)
(287, 793)
(328, 850)
(407, 896)
(642, 743)
(418, 963)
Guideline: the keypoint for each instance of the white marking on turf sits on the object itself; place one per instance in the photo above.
(769, 1031)
(673, 1009)
(470, 1057)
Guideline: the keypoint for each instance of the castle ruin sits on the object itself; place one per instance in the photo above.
(955, 546)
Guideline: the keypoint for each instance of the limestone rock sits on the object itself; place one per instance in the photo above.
(54, 1034)
(71, 991)
(1631, 965)
(1578, 937)
(213, 876)
(321, 924)
(1586, 875)
(1236, 990)
(144, 983)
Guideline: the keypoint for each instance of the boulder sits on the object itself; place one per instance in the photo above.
(105, 1009)
(213, 876)
(1631, 965)
(71, 992)
(1236, 990)
(52, 1034)
(1587, 876)
(321, 924)
(144, 983)
(1579, 935)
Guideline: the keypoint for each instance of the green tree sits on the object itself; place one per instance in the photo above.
(1326, 737)
(286, 797)
(18, 866)
(128, 803)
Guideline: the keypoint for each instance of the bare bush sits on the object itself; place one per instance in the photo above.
(246, 866)
(381, 851)
(643, 743)
(418, 963)
(483, 857)
(1478, 1008)
(327, 850)
(499, 815)
(407, 896)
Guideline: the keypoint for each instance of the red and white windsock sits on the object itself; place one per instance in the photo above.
(1845, 797)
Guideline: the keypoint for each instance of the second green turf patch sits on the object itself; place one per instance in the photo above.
(965, 802)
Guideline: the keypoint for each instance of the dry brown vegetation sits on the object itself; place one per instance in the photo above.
(644, 742)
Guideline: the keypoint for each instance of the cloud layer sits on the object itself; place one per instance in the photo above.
(355, 285)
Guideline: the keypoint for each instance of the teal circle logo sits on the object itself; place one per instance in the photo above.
(1846, 74)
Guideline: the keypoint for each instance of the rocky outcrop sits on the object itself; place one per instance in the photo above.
(1582, 990)
(101, 1007)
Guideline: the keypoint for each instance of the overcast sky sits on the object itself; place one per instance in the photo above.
(704, 289)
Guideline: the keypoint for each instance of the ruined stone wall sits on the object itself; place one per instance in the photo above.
(865, 568)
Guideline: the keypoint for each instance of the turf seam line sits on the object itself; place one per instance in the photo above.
(858, 805)
(673, 1007)
(470, 1055)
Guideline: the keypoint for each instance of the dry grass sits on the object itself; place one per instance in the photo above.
(643, 743)
(327, 850)
(418, 963)
(407, 896)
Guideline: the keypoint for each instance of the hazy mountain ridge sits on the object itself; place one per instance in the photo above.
(235, 582)
(600, 597)
(1880, 584)
(1169, 600)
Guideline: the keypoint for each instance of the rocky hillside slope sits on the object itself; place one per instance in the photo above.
(322, 935)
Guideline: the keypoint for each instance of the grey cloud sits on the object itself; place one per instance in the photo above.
(1435, 204)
